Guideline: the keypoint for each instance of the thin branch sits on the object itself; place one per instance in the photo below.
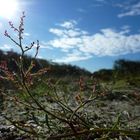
(97, 130)
(20, 128)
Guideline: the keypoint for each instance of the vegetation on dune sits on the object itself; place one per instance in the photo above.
(125, 71)
(55, 69)
(40, 107)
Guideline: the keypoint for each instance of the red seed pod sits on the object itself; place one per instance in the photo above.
(81, 83)
(6, 33)
(78, 97)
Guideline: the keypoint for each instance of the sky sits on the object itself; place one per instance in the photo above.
(91, 34)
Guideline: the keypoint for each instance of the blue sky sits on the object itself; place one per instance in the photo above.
(89, 33)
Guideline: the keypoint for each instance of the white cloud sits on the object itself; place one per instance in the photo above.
(68, 24)
(74, 56)
(79, 45)
(45, 45)
(111, 43)
(58, 32)
(39, 56)
(65, 43)
(130, 10)
(26, 34)
(68, 32)
(6, 47)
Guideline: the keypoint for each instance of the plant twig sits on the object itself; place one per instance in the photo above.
(97, 130)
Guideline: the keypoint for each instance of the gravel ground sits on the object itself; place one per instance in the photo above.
(100, 113)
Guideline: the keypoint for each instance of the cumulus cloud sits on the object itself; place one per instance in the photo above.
(65, 43)
(6, 47)
(68, 32)
(79, 45)
(130, 10)
(68, 24)
(74, 56)
(45, 45)
(111, 43)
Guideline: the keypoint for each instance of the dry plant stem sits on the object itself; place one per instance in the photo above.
(24, 83)
(41, 107)
(73, 114)
(29, 48)
(14, 41)
(80, 106)
(113, 127)
(20, 128)
(23, 74)
(99, 130)
(27, 105)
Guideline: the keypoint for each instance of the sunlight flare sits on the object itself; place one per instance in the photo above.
(8, 8)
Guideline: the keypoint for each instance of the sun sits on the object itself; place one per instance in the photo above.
(8, 8)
